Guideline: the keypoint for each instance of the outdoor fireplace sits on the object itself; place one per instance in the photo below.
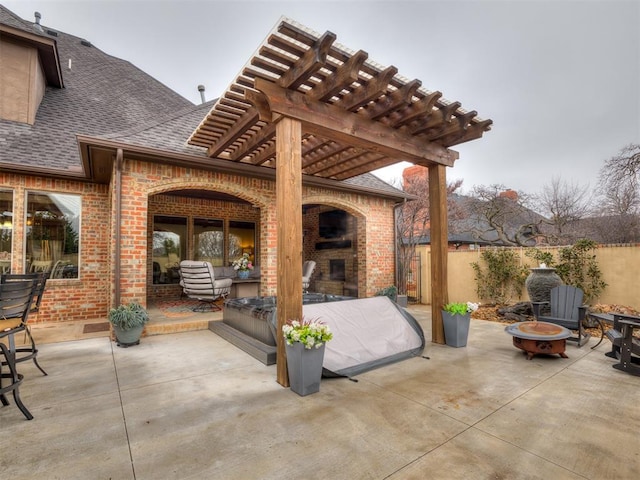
(336, 270)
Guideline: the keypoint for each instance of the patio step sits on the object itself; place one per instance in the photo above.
(175, 326)
(265, 353)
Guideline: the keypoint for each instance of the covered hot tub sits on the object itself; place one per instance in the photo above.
(245, 323)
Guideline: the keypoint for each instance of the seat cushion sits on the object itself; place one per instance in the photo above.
(9, 324)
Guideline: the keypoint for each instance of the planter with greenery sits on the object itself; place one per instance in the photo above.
(128, 322)
(305, 344)
(456, 318)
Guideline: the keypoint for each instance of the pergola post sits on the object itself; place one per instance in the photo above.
(439, 248)
(289, 220)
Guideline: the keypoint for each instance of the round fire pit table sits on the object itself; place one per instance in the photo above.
(539, 337)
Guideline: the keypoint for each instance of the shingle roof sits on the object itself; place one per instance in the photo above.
(110, 98)
(102, 94)
(9, 18)
(170, 135)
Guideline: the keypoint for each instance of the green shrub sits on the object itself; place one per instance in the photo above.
(391, 292)
(500, 277)
(576, 265)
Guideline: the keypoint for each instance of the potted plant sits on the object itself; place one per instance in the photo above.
(305, 344)
(128, 322)
(243, 266)
(456, 318)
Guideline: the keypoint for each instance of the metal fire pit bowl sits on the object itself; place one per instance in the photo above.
(539, 337)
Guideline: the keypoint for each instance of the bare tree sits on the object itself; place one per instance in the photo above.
(614, 228)
(413, 221)
(502, 216)
(625, 166)
(564, 204)
(618, 218)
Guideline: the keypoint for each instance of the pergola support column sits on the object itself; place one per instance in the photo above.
(289, 220)
(439, 248)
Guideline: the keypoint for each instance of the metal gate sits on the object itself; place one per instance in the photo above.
(414, 277)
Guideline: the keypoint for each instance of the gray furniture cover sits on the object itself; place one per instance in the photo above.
(367, 333)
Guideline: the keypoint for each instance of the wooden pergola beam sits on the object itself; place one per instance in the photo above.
(394, 101)
(423, 107)
(231, 135)
(260, 138)
(311, 61)
(333, 122)
(367, 93)
(345, 75)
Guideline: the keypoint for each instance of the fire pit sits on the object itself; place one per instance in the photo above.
(539, 337)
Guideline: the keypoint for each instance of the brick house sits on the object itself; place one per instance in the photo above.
(109, 179)
(99, 186)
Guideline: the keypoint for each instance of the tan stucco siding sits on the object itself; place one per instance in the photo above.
(22, 82)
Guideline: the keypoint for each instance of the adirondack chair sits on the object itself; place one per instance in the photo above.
(567, 311)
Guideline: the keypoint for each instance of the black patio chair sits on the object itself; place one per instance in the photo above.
(16, 298)
(29, 352)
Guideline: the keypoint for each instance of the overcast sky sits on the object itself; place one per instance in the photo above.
(560, 79)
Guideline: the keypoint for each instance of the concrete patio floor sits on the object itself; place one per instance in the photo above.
(192, 406)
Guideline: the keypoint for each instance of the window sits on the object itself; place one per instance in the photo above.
(53, 234)
(6, 230)
(208, 241)
(169, 247)
(242, 239)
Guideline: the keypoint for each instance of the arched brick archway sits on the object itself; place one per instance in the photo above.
(352, 260)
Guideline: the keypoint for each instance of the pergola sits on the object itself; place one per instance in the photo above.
(304, 104)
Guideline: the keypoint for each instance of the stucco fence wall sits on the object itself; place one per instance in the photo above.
(620, 266)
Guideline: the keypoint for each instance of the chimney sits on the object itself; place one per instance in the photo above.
(201, 90)
(38, 17)
(510, 194)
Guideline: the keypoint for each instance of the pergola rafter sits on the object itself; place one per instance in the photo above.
(305, 105)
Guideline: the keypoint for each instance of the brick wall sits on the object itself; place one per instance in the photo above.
(69, 299)
(144, 185)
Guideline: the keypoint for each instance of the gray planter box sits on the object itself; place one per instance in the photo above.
(456, 329)
(304, 367)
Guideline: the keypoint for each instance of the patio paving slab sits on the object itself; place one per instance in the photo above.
(191, 406)
(474, 455)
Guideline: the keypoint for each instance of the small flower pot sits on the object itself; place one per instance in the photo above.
(304, 367)
(456, 328)
(243, 274)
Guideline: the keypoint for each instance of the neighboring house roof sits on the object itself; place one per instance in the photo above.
(111, 99)
(461, 238)
(475, 225)
(464, 227)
